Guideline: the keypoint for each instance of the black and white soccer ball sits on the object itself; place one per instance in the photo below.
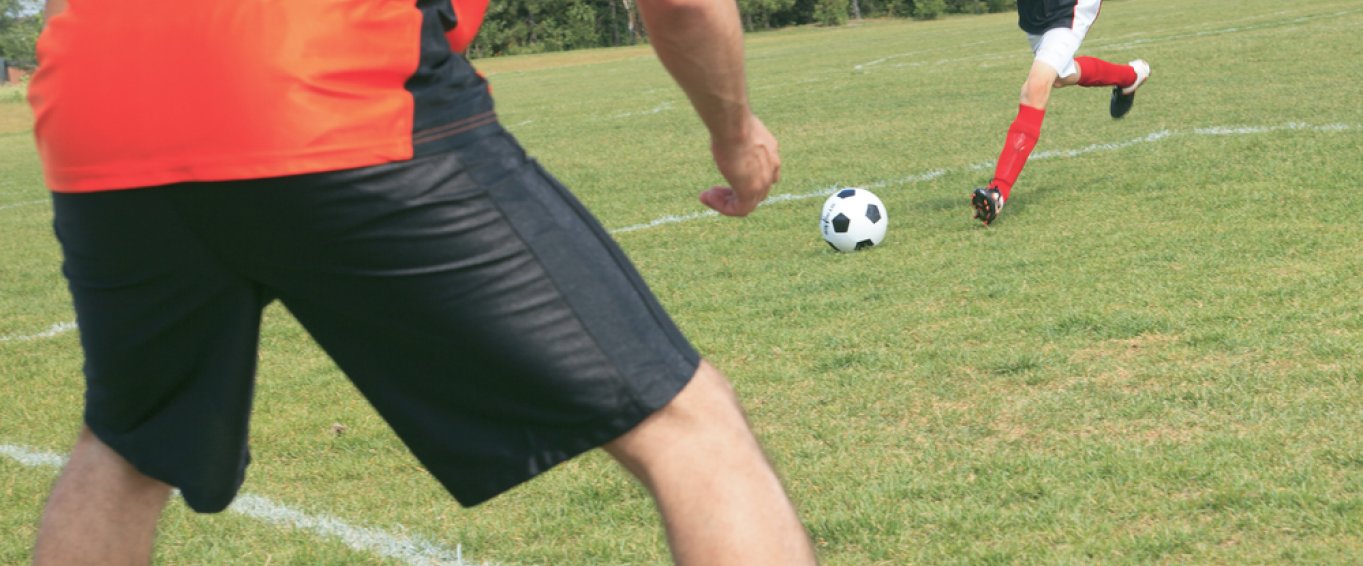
(853, 219)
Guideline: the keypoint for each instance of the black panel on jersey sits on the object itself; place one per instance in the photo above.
(453, 105)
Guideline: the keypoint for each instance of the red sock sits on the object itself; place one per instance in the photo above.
(1022, 136)
(1097, 72)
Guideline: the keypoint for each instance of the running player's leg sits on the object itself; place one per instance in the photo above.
(1054, 59)
(1053, 66)
(1123, 79)
(1095, 72)
(1019, 142)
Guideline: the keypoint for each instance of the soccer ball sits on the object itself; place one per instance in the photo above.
(853, 219)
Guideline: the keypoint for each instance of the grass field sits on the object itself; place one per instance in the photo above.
(1155, 356)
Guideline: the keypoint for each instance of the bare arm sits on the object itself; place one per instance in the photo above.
(700, 42)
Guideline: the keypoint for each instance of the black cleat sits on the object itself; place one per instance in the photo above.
(987, 202)
(1124, 97)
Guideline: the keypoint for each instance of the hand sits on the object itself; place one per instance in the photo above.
(751, 164)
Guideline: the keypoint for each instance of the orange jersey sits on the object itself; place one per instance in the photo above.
(151, 92)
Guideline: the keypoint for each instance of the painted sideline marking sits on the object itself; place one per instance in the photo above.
(1152, 137)
(411, 550)
(414, 551)
(25, 203)
(32, 459)
(58, 328)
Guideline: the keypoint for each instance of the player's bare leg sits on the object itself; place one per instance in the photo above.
(1041, 78)
(720, 500)
(101, 511)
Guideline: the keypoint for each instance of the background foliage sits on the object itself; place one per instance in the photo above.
(533, 26)
(19, 27)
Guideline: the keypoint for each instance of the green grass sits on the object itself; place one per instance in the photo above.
(1154, 357)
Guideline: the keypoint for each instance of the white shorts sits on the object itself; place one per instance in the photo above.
(1058, 46)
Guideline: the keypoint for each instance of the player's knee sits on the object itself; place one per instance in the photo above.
(710, 397)
(1036, 92)
(705, 412)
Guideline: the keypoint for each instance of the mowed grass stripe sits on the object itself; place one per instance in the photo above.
(63, 327)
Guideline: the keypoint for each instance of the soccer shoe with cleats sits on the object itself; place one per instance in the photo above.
(988, 203)
(1124, 97)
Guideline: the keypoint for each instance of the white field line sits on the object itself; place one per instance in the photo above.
(54, 330)
(410, 550)
(1152, 137)
(413, 551)
(664, 106)
(30, 458)
(24, 203)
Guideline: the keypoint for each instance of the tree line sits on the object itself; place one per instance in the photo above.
(19, 27)
(534, 26)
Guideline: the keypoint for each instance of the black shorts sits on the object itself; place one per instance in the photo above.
(472, 300)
